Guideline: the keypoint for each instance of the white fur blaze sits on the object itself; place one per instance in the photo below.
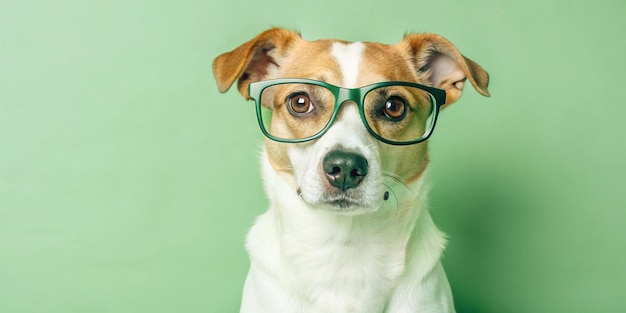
(348, 57)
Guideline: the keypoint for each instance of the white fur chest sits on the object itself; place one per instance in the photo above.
(347, 271)
(341, 271)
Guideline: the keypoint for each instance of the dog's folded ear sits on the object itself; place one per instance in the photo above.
(252, 60)
(443, 66)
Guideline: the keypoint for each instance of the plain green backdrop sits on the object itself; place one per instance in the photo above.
(127, 182)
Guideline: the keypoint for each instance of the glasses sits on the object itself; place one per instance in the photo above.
(294, 110)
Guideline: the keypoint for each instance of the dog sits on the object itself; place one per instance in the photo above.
(343, 165)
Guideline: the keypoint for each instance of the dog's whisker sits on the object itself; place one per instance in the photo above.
(391, 179)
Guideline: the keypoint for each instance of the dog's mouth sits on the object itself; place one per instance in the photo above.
(343, 203)
(394, 190)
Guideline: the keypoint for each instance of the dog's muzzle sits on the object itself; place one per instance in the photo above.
(344, 170)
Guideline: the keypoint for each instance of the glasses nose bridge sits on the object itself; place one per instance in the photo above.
(348, 95)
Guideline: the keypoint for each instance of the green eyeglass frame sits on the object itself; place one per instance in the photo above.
(342, 95)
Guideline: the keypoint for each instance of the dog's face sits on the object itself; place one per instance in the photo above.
(343, 170)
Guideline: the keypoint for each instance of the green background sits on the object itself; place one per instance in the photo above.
(127, 182)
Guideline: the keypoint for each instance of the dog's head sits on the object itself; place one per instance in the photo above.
(336, 138)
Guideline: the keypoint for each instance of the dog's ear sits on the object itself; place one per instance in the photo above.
(438, 62)
(251, 61)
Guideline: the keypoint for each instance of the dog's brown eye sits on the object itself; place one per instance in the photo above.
(395, 108)
(300, 103)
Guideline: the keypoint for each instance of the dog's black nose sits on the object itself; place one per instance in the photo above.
(344, 169)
